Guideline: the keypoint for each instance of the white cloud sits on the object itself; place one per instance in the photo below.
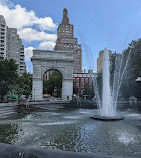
(47, 45)
(29, 66)
(19, 17)
(25, 20)
(28, 53)
(29, 35)
(45, 23)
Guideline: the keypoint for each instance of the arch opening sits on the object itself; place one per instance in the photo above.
(52, 84)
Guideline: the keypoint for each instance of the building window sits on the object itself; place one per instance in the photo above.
(2, 25)
(77, 85)
(86, 80)
(90, 81)
(82, 85)
(77, 80)
(82, 79)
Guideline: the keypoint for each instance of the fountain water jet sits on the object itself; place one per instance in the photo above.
(107, 112)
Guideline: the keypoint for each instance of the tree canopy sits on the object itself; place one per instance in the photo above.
(54, 83)
(126, 67)
(132, 65)
(10, 82)
(88, 90)
(22, 85)
(8, 75)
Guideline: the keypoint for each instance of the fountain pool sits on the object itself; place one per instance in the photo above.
(73, 130)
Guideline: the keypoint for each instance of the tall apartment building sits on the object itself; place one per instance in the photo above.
(100, 60)
(66, 41)
(3, 31)
(12, 45)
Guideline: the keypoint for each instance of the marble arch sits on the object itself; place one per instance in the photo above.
(45, 60)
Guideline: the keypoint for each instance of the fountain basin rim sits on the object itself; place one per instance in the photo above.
(107, 118)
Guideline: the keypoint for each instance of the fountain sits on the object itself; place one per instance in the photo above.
(107, 111)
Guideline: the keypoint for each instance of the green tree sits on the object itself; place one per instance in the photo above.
(15, 89)
(115, 59)
(22, 86)
(8, 75)
(128, 67)
(55, 81)
(75, 90)
(132, 62)
(88, 90)
(99, 84)
(25, 82)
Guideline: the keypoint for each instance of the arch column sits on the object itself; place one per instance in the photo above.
(67, 89)
(37, 89)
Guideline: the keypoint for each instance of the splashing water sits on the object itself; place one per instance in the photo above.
(107, 107)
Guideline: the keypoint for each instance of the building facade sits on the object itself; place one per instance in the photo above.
(81, 79)
(100, 60)
(3, 31)
(66, 42)
(11, 45)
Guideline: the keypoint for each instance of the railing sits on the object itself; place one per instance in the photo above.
(13, 151)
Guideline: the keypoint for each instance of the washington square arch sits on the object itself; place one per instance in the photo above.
(43, 61)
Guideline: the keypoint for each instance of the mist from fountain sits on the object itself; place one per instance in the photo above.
(118, 77)
(107, 107)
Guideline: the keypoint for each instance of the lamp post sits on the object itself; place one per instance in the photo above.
(138, 82)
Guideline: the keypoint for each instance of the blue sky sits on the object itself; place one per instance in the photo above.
(97, 24)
